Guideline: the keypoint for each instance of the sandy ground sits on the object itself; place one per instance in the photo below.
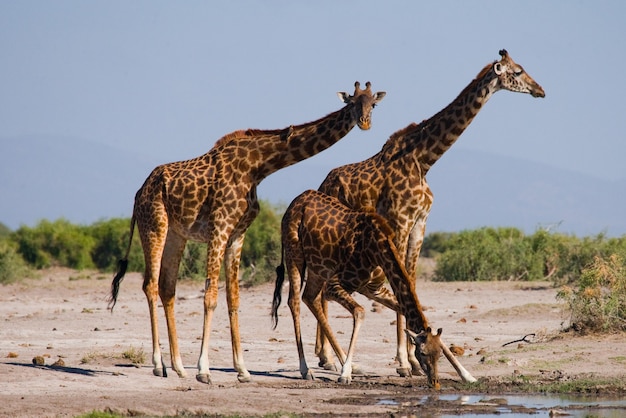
(63, 316)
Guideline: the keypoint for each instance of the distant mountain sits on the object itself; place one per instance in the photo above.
(48, 177)
(45, 177)
(473, 189)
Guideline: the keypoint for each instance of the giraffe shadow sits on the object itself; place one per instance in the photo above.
(66, 369)
(279, 374)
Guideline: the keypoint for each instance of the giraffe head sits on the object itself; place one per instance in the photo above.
(512, 77)
(362, 101)
(427, 351)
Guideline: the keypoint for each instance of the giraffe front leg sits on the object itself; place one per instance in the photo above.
(334, 291)
(405, 368)
(416, 239)
(231, 263)
(347, 369)
(214, 257)
(210, 303)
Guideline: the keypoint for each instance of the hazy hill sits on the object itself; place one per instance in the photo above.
(52, 177)
(43, 177)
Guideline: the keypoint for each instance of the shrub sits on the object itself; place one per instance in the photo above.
(4, 230)
(598, 303)
(261, 248)
(487, 254)
(508, 254)
(193, 262)
(111, 240)
(12, 265)
(56, 243)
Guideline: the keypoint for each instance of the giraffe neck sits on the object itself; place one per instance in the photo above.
(299, 142)
(430, 139)
(408, 301)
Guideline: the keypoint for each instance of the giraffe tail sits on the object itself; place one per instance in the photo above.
(122, 265)
(280, 279)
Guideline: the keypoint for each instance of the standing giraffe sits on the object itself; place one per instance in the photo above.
(394, 180)
(337, 248)
(212, 199)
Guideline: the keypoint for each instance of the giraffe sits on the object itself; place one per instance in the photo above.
(337, 248)
(213, 199)
(394, 180)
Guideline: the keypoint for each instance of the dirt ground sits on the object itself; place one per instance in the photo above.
(62, 316)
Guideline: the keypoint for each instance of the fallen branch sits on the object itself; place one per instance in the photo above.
(523, 339)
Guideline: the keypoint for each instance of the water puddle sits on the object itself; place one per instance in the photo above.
(514, 406)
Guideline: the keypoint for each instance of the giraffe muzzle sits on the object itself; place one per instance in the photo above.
(364, 124)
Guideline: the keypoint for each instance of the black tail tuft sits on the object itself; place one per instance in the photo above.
(280, 278)
(122, 265)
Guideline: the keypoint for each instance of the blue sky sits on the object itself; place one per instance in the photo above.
(167, 79)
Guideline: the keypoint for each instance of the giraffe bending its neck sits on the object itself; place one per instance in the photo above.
(337, 248)
(393, 180)
(212, 199)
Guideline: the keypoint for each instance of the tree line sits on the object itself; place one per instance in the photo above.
(591, 271)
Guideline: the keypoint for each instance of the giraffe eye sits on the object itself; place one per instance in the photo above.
(518, 72)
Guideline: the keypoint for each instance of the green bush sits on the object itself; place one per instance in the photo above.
(57, 243)
(193, 262)
(435, 244)
(111, 240)
(4, 231)
(261, 248)
(508, 254)
(12, 265)
(598, 302)
(487, 254)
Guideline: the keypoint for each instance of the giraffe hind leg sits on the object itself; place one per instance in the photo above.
(153, 242)
(172, 254)
(334, 291)
(323, 350)
(294, 306)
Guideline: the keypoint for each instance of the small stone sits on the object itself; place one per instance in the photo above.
(456, 350)
(39, 361)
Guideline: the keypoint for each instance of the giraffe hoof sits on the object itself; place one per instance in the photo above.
(404, 371)
(243, 377)
(159, 372)
(357, 369)
(308, 376)
(328, 366)
(344, 380)
(417, 371)
(204, 378)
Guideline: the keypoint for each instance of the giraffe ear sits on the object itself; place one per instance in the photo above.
(412, 336)
(379, 96)
(498, 68)
(344, 97)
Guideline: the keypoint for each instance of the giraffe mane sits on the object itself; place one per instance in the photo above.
(286, 133)
(381, 222)
(243, 133)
